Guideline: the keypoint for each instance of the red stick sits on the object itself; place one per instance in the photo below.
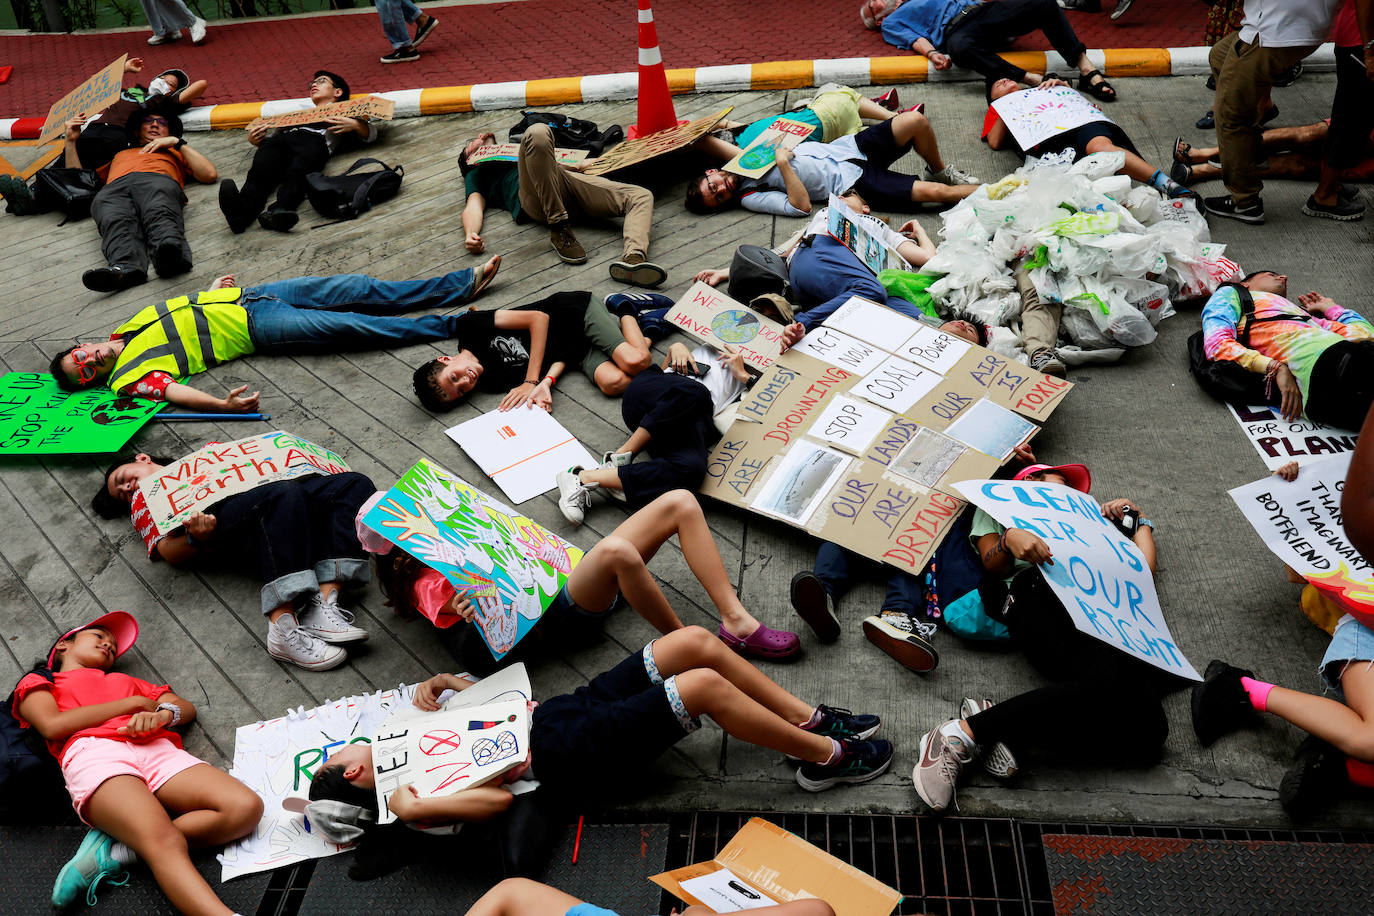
(577, 840)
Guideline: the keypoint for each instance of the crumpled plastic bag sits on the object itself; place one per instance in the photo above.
(913, 287)
(1099, 165)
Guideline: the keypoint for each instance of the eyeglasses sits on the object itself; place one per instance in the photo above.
(155, 120)
(321, 79)
(86, 363)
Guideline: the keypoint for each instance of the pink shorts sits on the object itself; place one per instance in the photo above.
(90, 761)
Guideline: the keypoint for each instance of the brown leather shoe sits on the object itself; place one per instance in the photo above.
(566, 244)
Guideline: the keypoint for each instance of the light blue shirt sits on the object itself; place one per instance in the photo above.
(824, 169)
(922, 19)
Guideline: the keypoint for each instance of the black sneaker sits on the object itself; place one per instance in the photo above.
(814, 605)
(1226, 206)
(1289, 76)
(1344, 210)
(843, 725)
(860, 761)
(169, 260)
(401, 56)
(112, 279)
(278, 220)
(904, 638)
(1206, 122)
(423, 32)
(1220, 704)
(232, 207)
(1315, 779)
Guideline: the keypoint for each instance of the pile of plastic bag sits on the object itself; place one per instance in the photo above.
(1115, 255)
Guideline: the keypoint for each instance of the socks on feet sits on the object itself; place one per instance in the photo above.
(813, 721)
(952, 729)
(836, 752)
(122, 854)
(1257, 691)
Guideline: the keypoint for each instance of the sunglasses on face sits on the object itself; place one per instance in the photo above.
(155, 121)
(85, 363)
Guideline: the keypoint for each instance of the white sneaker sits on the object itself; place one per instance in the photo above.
(574, 496)
(324, 619)
(197, 31)
(997, 761)
(291, 643)
(951, 175)
(163, 39)
(615, 460)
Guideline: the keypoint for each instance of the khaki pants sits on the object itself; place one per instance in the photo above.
(1039, 319)
(1244, 74)
(551, 194)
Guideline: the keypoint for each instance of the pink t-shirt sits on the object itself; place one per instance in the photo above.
(90, 687)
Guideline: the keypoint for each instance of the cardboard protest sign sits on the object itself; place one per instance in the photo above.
(364, 106)
(875, 253)
(278, 758)
(763, 865)
(1097, 572)
(1300, 522)
(1035, 115)
(510, 152)
(642, 149)
(39, 418)
(716, 320)
(194, 483)
(508, 565)
(756, 159)
(100, 91)
(858, 443)
(448, 750)
(522, 450)
(1279, 441)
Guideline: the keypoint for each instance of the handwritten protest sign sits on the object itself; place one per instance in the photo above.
(510, 152)
(1035, 115)
(642, 149)
(39, 418)
(756, 159)
(843, 225)
(1280, 441)
(447, 750)
(716, 320)
(858, 443)
(507, 565)
(522, 450)
(364, 106)
(1098, 573)
(1300, 521)
(100, 91)
(192, 484)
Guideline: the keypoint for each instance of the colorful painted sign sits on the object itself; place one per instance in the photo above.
(364, 106)
(759, 157)
(39, 418)
(509, 566)
(1280, 441)
(222, 469)
(1035, 115)
(1300, 521)
(99, 92)
(1097, 572)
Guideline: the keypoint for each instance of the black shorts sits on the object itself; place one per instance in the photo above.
(1078, 139)
(881, 187)
(1341, 387)
(589, 740)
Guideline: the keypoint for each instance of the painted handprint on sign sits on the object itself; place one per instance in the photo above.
(406, 524)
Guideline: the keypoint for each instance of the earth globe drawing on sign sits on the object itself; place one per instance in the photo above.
(735, 326)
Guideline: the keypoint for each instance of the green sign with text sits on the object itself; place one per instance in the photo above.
(38, 418)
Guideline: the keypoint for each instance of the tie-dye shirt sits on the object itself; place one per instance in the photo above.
(1297, 342)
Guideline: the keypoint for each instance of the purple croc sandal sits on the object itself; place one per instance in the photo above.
(765, 642)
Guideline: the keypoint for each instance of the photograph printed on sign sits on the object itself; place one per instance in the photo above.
(871, 322)
(849, 424)
(934, 349)
(991, 429)
(927, 457)
(897, 384)
(839, 349)
(802, 478)
(1280, 441)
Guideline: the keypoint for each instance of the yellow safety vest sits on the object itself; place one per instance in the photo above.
(182, 337)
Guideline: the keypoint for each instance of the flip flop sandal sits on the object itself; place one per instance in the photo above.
(487, 277)
(765, 642)
(1102, 90)
(1181, 150)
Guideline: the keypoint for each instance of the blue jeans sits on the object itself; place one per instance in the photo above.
(837, 569)
(311, 314)
(825, 274)
(394, 15)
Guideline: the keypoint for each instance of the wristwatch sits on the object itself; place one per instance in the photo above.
(181, 141)
(1146, 522)
(174, 709)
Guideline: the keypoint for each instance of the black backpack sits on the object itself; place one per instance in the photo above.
(754, 271)
(1224, 379)
(30, 779)
(969, 598)
(68, 191)
(569, 133)
(347, 195)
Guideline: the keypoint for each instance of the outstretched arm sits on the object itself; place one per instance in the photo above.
(473, 211)
(233, 402)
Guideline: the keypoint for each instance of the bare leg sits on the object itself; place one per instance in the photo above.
(914, 128)
(870, 110)
(1300, 166)
(606, 478)
(610, 379)
(124, 808)
(714, 681)
(1349, 728)
(210, 807)
(633, 356)
(1284, 139)
(936, 193)
(523, 897)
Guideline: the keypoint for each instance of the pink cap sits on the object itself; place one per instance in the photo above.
(372, 541)
(120, 624)
(1076, 475)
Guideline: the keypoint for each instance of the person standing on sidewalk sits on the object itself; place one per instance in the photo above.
(1352, 112)
(168, 17)
(1274, 35)
(395, 15)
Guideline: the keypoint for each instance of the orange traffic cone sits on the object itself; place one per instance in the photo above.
(655, 102)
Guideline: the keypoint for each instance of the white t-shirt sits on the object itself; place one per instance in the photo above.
(1287, 23)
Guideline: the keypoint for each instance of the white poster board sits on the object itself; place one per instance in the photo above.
(1097, 572)
(521, 449)
(1035, 115)
(1279, 441)
(1300, 522)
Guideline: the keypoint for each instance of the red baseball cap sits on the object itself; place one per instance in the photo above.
(120, 624)
(1076, 475)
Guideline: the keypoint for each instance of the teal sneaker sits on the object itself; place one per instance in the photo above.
(91, 865)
